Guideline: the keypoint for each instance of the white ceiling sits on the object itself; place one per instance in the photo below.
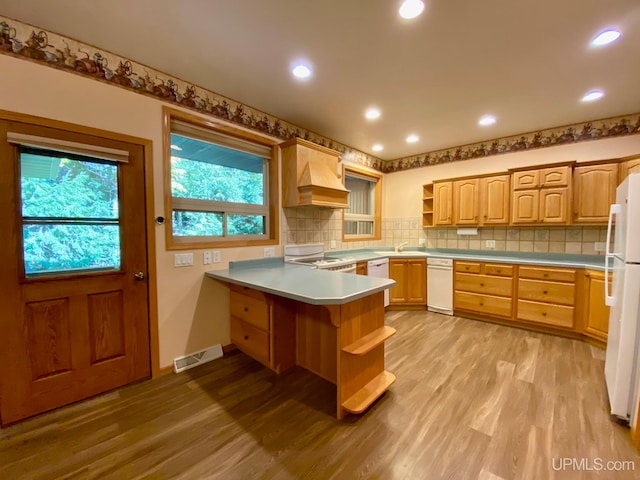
(527, 62)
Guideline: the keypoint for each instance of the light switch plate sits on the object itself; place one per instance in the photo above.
(206, 258)
(269, 252)
(332, 244)
(599, 246)
(183, 260)
(490, 243)
(216, 256)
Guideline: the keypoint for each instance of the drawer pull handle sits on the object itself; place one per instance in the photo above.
(246, 337)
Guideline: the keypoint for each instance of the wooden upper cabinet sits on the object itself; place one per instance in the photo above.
(594, 189)
(553, 205)
(465, 201)
(555, 176)
(629, 165)
(494, 200)
(524, 206)
(525, 179)
(442, 203)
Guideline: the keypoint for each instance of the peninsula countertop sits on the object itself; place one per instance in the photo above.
(299, 282)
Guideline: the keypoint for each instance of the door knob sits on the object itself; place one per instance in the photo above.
(139, 276)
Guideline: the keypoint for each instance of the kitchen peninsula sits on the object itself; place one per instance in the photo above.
(328, 323)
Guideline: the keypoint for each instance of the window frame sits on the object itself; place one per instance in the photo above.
(374, 177)
(271, 237)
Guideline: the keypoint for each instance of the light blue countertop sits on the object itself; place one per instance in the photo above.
(301, 283)
(595, 262)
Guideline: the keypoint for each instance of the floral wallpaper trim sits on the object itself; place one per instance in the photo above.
(25, 41)
(579, 132)
(21, 40)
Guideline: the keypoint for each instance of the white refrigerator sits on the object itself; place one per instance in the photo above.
(622, 364)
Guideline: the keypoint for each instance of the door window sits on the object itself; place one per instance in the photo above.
(70, 213)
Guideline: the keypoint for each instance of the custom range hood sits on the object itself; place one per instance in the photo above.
(310, 175)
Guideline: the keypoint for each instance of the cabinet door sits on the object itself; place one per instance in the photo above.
(361, 268)
(629, 166)
(525, 180)
(597, 315)
(465, 202)
(397, 272)
(442, 200)
(594, 189)
(555, 176)
(554, 204)
(494, 200)
(524, 206)
(416, 281)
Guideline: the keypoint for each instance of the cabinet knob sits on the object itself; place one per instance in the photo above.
(482, 304)
(482, 284)
(246, 309)
(544, 314)
(544, 291)
(545, 275)
(246, 337)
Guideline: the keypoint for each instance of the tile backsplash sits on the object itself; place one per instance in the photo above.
(321, 225)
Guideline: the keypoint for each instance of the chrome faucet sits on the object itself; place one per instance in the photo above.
(398, 248)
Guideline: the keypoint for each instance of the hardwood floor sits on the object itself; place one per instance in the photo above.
(472, 400)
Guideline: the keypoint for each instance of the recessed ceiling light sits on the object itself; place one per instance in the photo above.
(605, 38)
(593, 95)
(301, 71)
(176, 147)
(377, 147)
(411, 8)
(487, 120)
(412, 138)
(372, 113)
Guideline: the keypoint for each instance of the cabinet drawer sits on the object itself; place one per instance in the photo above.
(556, 275)
(555, 176)
(498, 269)
(485, 284)
(549, 292)
(250, 292)
(251, 340)
(250, 309)
(468, 267)
(485, 304)
(556, 315)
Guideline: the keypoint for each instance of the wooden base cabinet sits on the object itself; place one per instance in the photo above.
(411, 282)
(263, 327)
(484, 288)
(547, 296)
(596, 315)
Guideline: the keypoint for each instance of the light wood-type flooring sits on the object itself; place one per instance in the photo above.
(472, 400)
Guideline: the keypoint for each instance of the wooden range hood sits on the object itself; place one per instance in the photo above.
(310, 176)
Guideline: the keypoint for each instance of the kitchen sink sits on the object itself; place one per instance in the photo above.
(406, 253)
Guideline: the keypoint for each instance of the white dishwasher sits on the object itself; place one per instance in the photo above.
(380, 269)
(440, 285)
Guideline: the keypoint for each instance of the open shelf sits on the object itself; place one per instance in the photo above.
(368, 394)
(427, 205)
(369, 341)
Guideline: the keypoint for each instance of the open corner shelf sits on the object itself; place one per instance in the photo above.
(364, 397)
(369, 341)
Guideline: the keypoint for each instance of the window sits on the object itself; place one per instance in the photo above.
(361, 219)
(221, 184)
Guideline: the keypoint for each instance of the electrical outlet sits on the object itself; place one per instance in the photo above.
(183, 259)
(599, 246)
(216, 256)
(332, 244)
(421, 242)
(490, 243)
(206, 258)
(269, 252)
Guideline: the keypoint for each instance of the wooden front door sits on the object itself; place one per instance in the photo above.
(75, 319)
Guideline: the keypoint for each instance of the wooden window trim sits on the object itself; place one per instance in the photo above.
(272, 220)
(377, 216)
